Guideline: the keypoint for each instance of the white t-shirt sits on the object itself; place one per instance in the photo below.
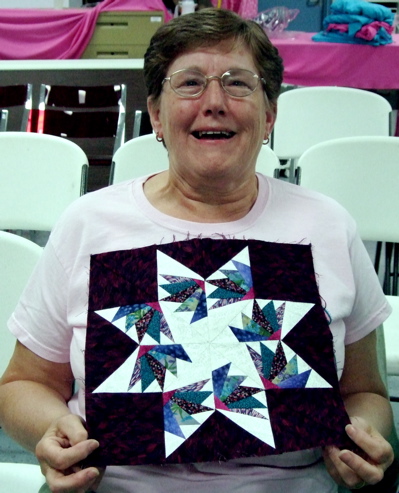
(51, 317)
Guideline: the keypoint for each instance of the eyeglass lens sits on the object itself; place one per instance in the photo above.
(237, 82)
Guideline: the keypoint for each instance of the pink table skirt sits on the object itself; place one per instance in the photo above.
(310, 63)
(44, 34)
(50, 34)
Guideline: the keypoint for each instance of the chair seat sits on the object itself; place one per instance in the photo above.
(24, 478)
(18, 257)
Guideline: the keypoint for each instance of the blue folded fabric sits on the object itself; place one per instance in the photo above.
(361, 7)
(356, 14)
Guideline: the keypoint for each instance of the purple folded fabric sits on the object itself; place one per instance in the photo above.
(370, 31)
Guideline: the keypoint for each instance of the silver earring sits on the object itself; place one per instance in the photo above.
(265, 142)
(159, 139)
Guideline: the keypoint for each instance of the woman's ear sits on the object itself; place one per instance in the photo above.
(154, 111)
(271, 115)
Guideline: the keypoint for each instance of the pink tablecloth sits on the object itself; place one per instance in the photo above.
(44, 34)
(310, 63)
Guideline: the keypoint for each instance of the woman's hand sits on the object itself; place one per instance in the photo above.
(354, 471)
(58, 437)
(62, 448)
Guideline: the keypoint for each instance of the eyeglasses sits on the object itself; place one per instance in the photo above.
(238, 83)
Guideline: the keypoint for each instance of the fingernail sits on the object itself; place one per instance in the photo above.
(344, 455)
(350, 430)
(93, 474)
(94, 444)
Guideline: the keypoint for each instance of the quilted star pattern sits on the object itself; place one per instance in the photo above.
(209, 349)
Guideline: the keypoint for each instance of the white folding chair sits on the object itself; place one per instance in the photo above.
(268, 163)
(20, 478)
(137, 157)
(40, 175)
(362, 174)
(309, 115)
(18, 257)
(144, 155)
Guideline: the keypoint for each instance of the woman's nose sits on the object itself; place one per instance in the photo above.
(214, 96)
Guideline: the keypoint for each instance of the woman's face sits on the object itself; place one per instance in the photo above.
(186, 124)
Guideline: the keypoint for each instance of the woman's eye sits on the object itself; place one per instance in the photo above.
(192, 82)
(237, 83)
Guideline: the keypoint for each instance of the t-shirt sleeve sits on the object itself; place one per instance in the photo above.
(39, 320)
(370, 308)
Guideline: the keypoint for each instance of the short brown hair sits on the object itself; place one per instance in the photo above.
(208, 27)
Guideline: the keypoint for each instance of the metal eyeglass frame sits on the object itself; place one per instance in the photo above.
(208, 78)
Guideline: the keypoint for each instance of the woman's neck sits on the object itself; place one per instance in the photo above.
(210, 202)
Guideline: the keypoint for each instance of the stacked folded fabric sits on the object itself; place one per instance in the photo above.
(357, 22)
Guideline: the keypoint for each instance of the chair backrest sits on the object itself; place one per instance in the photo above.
(268, 163)
(137, 157)
(144, 155)
(85, 114)
(309, 115)
(362, 174)
(40, 175)
(17, 99)
(18, 257)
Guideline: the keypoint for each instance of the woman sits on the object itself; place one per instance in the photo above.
(213, 81)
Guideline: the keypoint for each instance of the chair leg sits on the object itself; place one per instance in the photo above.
(395, 270)
(377, 257)
(292, 176)
(387, 276)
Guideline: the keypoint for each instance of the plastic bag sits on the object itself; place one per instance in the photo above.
(275, 20)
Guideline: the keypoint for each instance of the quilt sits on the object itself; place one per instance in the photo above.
(208, 350)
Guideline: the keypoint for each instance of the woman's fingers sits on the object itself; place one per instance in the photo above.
(77, 482)
(352, 470)
(378, 450)
(361, 469)
(62, 458)
(61, 450)
(340, 472)
(72, 427)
